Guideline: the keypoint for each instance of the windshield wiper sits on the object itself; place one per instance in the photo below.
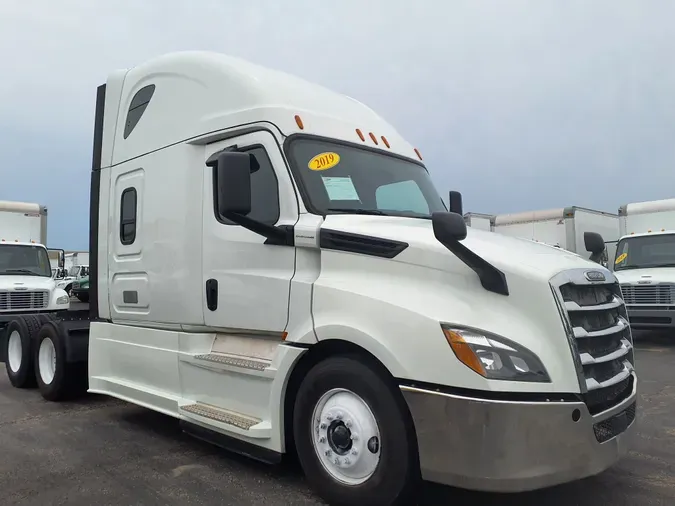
(375, 212)
(20, 271)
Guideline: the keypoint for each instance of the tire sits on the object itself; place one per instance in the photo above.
(19, 343)
(396, 475)
(56, 378)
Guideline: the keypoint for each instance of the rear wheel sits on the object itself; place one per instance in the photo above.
(354, 437)
(56, 378)
(20, 340)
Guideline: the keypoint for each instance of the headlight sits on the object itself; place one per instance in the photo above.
(64, 299)
(494, 357)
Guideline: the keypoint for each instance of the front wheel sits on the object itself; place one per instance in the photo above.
(354, 437)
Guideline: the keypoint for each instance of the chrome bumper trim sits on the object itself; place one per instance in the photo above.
(506, 446)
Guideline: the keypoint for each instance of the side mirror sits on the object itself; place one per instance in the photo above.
(233, 181)
(60, 255)
(455, 203)
(448, 227)
(594, 242)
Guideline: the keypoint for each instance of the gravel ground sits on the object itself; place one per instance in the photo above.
(105, 452)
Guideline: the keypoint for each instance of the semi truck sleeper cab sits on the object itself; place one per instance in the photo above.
(272, 266)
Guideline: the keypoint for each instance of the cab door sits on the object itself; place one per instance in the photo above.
(246, 283)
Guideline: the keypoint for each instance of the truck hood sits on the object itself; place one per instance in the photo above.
(642, 276)
(26, 282)
(509, 254)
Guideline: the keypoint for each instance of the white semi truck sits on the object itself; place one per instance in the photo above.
(564, 227)
(336, 309)
(645, 263)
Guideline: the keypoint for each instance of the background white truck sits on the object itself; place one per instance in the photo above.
(479, 221)
(645, 263)
(272, 266)
(26, 284)
(562, 227)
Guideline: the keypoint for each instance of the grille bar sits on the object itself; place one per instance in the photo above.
(651, 295)
(595, 318)
(22, 300)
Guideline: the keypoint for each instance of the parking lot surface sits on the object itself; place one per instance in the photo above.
(100, 451)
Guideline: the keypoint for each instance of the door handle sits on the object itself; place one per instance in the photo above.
(212, 294)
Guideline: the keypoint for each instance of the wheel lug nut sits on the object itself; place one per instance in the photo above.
(327, 453)
(337, 461)
(347, 461)
(329, 417)
(322, 440)
(339, 415)
(355, 437)
(348, 423)
(323, 426)
(355, 451)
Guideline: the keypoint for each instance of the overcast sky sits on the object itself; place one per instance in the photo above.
(519, 104)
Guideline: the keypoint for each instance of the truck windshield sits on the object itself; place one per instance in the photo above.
(24, 261)
(645, 251)
(340, 178)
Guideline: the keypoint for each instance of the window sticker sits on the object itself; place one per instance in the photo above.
(324, 161)
(621, 258)
(340, 188)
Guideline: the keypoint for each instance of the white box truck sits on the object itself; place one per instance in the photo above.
(336, 309)
(26, 283)
(479, 221)
(563, 227)
(645, 263)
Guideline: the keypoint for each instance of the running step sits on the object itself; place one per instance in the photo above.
(235, 361)
(221, 415)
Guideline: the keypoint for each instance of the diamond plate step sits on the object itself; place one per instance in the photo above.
(245, 363)
(221, 415)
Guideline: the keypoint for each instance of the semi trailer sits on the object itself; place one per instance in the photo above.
(645, 263)
(336, 308)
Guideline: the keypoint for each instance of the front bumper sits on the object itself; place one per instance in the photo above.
(505, 446)
(655, 318)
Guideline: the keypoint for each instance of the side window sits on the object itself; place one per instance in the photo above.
(401, 196)
(128, 216)
(264, 191)
(137, 107)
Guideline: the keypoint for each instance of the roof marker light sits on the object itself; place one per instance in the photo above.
(372, 136)
(649, 231)
(360, 134)
(417, 152)
(298, 121)
(386, 142)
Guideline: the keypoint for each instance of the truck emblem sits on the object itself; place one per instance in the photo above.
(594, 276)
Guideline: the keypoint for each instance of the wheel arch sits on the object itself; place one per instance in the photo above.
(318, 352)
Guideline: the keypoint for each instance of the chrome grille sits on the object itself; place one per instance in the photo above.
(18, 300)
(651, 295)
(596, 322)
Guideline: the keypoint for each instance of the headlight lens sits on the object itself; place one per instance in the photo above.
(64, 299)
(494, 357)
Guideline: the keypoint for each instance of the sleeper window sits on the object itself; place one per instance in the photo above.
(128, 216)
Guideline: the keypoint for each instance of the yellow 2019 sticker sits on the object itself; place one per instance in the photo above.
(324, 161)
(621, 258)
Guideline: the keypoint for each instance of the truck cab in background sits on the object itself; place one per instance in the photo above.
(645, 263)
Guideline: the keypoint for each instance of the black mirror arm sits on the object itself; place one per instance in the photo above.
(276, 236)
(492, 279)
